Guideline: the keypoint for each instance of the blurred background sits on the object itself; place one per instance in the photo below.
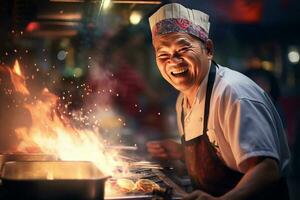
(97, 57)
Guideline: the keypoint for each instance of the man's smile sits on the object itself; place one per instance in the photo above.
(179, 72)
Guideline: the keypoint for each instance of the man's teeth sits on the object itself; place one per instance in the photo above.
(179, 71)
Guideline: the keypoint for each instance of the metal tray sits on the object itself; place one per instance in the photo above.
(5, 157)
(57, 180)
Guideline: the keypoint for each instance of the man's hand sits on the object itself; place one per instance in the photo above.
(165, 149)
(199, 195)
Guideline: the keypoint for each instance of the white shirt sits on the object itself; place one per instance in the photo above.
(243, 121)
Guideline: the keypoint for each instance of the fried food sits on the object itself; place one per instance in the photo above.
(125, 185)
(146, 185)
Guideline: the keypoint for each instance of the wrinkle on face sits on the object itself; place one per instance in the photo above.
(176, 52)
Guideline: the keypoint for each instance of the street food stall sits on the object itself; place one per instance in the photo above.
(55, 160)
(81, 97)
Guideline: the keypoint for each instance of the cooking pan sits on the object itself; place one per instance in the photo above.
(5, 157)
(68, 180)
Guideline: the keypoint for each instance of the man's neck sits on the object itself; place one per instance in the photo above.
(191, 95)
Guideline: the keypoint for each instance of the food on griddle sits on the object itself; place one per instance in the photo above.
(146, 185)
(125, 185)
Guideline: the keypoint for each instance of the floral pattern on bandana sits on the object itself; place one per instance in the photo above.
(179, 25)
(183, 23)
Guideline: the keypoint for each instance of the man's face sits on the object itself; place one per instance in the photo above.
(182, 60)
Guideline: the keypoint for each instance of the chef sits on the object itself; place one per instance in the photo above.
(233, 142)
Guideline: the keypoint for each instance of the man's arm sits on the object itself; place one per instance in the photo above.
(166, 149)
(252, 122)
(261, 173)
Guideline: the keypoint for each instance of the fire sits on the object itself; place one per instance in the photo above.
(18, 79)
(52, 133)
(17, 68)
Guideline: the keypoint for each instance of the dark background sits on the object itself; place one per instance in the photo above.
(62, 44)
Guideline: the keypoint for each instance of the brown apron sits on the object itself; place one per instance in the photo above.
(207, 171)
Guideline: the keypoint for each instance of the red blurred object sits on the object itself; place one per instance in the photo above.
(242, 11)
(247, 11)
(285, 3)
(33, 26)
(131, 86)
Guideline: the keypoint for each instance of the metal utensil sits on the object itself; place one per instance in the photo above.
(128, 148)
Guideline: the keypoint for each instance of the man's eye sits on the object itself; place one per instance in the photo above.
(184, 49)
(163, 56)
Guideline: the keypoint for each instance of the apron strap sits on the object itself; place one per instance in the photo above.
(210, 85)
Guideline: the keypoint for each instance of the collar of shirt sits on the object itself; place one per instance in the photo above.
(192, 125)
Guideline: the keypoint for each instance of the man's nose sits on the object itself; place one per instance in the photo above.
(175, 59)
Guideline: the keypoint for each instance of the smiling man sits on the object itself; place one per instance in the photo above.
(233, 142)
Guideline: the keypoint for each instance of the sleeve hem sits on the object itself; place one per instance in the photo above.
(263, 153)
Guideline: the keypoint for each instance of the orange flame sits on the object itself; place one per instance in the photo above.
(18, 79)
(52, 134)
(17, 68)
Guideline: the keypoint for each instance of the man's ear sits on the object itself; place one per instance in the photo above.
(209, 47)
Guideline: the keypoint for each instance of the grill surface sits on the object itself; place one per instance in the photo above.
(158, 177)
(165, 178)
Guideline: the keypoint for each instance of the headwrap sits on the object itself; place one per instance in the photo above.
(177, 18)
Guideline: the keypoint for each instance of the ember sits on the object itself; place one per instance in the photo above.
(52, 133)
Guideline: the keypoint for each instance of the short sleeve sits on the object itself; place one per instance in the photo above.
(251, 131)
